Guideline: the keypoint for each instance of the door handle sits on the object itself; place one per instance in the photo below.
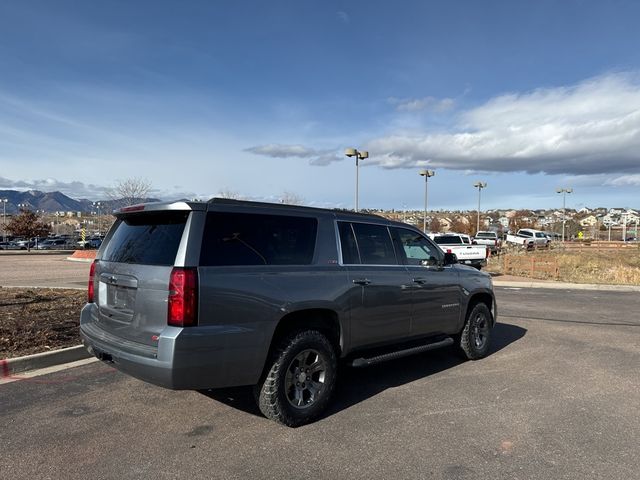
(420, 281)
(362, 281)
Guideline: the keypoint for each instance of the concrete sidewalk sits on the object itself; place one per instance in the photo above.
(523, 282)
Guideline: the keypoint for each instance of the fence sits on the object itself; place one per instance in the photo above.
(596, 245)
(531, 266)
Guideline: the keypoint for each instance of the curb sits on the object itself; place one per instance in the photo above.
(10, 366)
(34, 252)
(568, 286)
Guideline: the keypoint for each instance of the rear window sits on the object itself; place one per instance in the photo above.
(448, 240)
(255, 239)
(150, 238)
(486, 235)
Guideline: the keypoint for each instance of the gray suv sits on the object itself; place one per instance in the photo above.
(194, 295)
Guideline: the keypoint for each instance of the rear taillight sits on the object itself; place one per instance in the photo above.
(183, 297)
(90, 287)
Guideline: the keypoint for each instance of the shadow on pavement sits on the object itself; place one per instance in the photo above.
(358, 384)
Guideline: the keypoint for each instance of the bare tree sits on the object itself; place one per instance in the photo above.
(521, 219)
(130, 191)
(228, 193)
(435, 225)
(290, 198)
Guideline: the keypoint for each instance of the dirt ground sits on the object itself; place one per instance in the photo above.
(38, 319)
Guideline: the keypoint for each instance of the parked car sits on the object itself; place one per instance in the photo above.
(25, 244)
(193, 295)
(52, 244)
(529, 238)
(94, 242)
(465, 252)
(9, 246)
(488, 239)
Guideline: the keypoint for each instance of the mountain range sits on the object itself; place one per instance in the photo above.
(53, 202)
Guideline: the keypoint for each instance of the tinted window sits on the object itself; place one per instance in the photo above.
(254, 239)
(417, 249)
(448, 240)
(146, 238)
(374, 244)
(486, 235)
(350, 254)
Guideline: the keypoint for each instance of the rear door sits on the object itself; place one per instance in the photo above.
(132, 274)
(380, 289)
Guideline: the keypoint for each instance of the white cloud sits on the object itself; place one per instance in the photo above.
(316, 157)
(72, 189)
(421, 104)
(274, 150)
(343, 17)
(588, 128)
(624, 181)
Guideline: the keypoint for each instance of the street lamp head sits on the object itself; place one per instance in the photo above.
(350, 152)
(569, 190)
(427, 173)
(480, 184)
(363, 155)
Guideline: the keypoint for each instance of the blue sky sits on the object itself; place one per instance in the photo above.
(261, 98)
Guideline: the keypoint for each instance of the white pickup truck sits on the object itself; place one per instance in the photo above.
(488, 239)
(529, 238)
(473, 255)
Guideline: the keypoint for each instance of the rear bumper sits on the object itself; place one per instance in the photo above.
(185, 358)
(474, 262)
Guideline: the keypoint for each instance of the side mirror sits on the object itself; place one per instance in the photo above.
(450, 258)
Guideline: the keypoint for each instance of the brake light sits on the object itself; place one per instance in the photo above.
(90, 286)
(183, 297)
(132, 208)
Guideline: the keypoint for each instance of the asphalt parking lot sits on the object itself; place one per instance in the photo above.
(557, 398)
(22, 269)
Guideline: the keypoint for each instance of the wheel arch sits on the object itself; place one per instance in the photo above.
(324, 320)
(483, 297)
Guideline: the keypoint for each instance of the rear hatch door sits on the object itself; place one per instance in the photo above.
(133, 271)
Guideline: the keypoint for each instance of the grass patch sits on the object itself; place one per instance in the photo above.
(613, 267)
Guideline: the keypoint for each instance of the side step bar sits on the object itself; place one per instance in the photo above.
(365, 362)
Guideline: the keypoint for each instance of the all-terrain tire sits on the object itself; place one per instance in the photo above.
(302, 359)
(475, 338)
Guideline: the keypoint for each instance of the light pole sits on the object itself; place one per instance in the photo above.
(564, 192)
(4, 219)
(98, 205)
(352, 152)
(426, 174)
(479, 186)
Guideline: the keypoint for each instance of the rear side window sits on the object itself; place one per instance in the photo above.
(150, 238)
(350, 254)
(255, 239)
(374, 244)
